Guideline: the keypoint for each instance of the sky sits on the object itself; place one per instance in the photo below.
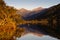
(30, 4)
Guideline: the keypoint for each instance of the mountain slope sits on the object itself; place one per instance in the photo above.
(24, 13)
(52, 15)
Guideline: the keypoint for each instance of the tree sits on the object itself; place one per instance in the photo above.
(9, 20)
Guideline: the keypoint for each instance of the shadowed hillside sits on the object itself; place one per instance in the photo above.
(25, 13)
(52, 15)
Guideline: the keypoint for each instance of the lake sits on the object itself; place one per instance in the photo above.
(34, 37)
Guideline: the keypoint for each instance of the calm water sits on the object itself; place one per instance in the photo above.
(33, 37)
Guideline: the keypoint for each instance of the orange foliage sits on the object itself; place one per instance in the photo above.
(7, 28)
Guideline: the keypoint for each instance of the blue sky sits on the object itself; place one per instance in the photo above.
(30, 4)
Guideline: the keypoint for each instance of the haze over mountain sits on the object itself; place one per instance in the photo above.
(37, 9)
(24, 12)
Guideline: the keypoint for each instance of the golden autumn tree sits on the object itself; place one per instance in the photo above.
(9, 20)
(7, 28)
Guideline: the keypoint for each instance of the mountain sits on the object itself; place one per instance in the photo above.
(45, 13)
(52, 15)
(37, 9)
(35, 15)
(24, 12)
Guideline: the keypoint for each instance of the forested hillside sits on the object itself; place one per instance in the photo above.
(52, 15)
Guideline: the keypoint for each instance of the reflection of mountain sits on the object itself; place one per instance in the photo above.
(33, 37)
(52, 14)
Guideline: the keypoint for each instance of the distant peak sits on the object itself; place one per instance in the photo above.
(23, 9)
(38, 8)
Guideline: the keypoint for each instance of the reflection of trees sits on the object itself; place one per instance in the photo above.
(19, 32)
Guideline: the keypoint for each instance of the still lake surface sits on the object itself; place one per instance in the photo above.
(34, 37)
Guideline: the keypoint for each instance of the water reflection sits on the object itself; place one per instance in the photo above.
(34, 37)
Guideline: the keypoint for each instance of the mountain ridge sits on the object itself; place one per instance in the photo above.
(24, 12)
